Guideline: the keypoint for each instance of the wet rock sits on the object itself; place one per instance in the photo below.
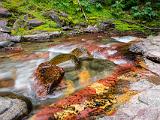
(14, 107)
(34, 23)
(137, 48)
(149, 48)
(4, 44)
(47, 77)
(91, 29)
(4, 12)
(42, 37)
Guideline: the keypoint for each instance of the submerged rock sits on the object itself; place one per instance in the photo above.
(47, 77)
(14, 107)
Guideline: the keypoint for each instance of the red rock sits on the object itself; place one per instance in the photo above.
(47, 77)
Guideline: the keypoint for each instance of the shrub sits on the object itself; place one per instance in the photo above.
(144, 13)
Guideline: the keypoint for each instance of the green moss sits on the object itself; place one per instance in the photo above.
(122, 26)
(36, 9)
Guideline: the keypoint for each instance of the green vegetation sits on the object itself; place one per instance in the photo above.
(86, 11)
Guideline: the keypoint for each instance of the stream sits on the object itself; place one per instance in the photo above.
(17, 68)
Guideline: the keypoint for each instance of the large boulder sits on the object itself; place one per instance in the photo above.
(14, 107)
(4, 12)
(150, 49)
(42, 37)
(47, 77)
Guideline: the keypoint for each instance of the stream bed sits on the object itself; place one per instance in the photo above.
(17, 68)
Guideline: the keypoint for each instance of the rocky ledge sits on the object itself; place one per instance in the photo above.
(150, 49)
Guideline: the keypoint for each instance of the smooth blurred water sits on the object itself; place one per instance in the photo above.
(20, 67)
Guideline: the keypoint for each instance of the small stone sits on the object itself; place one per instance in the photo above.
(4, 12)
(66, 28)
(34, 23)
(91, 29)
(3, 23)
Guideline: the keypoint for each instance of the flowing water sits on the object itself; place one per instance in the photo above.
(17, 68)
